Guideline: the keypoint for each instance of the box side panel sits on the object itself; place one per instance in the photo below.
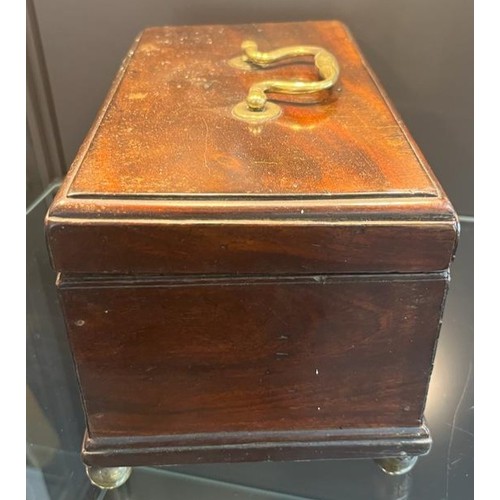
(250, 247)
(270, 355)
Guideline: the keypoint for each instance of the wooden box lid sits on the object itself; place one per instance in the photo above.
(168, 181)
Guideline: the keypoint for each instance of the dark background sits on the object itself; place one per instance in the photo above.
(422, 51)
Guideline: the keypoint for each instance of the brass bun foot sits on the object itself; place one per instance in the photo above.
(396, 466)
(108, 478)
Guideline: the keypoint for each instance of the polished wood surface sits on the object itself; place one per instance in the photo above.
(251, 247)
(165, 153)
(256, 446)
(170, 117)
(234, 292)
(205, 355)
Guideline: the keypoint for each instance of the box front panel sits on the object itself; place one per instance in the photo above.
(189, 356)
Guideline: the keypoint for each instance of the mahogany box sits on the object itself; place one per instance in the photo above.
(252, 256)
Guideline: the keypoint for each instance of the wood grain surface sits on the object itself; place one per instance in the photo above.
(180, 357)
(256, 446)
(234, 292)
(251, 248)
(165, 154)
(170, 118)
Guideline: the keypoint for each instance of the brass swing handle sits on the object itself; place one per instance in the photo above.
(256, 107)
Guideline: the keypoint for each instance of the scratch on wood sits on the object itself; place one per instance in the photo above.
(453, 427)
(206, 142)
(281, 355)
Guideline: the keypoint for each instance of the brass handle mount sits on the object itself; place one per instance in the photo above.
(256, 107)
